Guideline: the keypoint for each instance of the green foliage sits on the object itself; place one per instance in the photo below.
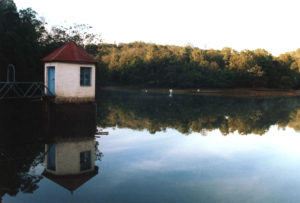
(152, 65)
(286, 82)
(196, 113)
(20, 34)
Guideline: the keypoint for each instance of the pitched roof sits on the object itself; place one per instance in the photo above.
(71, 53)
(71, 182)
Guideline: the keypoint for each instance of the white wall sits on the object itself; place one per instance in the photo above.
(67, 156)
(67, 81)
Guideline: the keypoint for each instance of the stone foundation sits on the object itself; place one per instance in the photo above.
(60, 100)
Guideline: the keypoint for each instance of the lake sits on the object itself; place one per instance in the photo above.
(160, 148)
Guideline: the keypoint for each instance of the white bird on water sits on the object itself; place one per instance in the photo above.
(171, 91)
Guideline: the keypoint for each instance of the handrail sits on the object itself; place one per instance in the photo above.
(19, 83)
(13, 89)
(11, 66)
(24, 90)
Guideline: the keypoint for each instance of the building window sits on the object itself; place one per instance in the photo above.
(85, 76)
(85, 160)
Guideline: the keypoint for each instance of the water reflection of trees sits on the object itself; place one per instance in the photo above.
(15, 163)
(197, 113)
(20, 148)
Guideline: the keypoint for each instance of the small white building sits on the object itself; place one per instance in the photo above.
(70, 74)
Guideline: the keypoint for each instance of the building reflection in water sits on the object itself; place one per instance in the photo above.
(71, 162)
(60, 136)
(70, 152)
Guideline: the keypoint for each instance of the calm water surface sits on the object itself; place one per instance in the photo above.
(159, 149)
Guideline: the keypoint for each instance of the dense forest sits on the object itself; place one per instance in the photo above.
(201, 114)
(152, 65)
(24, 40)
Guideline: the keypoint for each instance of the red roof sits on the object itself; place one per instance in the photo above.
(71, 53)
(71, 182)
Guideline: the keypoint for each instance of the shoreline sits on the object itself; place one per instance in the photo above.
(234, 92)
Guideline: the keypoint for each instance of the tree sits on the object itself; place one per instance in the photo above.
(20, 37)
(24, 41)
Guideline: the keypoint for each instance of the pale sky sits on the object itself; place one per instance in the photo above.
(240, 24)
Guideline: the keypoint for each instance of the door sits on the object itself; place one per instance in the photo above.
(51, 157)
(51, 80)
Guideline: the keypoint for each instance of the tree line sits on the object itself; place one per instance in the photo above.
(151, 65)
(24, 41)
(201, 114)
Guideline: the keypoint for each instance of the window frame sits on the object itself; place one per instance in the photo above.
(83, 71)
(85, 160)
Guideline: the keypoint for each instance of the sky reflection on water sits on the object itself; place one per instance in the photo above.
(210, 168)
(171, 167)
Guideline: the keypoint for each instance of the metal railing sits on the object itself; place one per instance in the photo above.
(22, 90)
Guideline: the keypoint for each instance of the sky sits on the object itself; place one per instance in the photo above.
(240, 24)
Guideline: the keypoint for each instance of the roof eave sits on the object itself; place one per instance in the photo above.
(73, 62)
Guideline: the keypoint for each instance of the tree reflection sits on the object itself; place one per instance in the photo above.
(21, 147)
(196, 113)
(16, 161)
